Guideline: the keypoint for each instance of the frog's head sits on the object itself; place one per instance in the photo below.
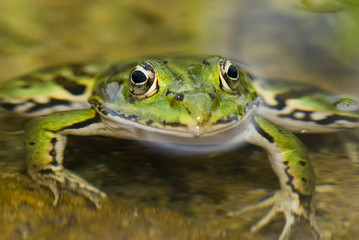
(183, 96)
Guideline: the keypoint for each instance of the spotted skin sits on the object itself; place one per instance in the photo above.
(191, 100)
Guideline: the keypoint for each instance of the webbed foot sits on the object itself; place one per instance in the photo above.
(63, 179)
(294, 208)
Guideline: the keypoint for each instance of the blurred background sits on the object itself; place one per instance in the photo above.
(304, 40)
(313, 41)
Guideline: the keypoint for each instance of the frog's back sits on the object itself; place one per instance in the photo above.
(53, 89)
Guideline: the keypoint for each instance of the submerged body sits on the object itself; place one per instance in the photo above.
(202, 102)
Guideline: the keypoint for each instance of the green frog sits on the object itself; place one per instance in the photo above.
(202, 102)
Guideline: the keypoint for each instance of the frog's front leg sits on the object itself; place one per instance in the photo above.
(45, 143)
(289, 160)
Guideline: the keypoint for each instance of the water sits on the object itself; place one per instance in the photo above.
(279, 39)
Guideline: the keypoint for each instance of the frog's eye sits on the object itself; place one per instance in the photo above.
(143, 81)
(229, 76)
(346, 104)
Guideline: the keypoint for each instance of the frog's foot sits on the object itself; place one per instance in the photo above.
(62, 179)
(294, 208)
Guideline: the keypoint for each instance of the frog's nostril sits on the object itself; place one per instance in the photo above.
(179, 97)
(211, 95)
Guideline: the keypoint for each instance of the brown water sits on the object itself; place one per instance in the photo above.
(155, 194)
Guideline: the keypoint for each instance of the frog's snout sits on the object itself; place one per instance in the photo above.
(199, 107)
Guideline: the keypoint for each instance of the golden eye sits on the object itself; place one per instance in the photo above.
(229, 76)
(143, 81)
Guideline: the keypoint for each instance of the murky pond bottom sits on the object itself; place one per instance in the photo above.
(156, 194)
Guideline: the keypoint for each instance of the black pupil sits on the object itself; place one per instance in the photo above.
(138, 77)
(232, 72)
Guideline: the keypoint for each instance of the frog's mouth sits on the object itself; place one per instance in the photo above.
(224, 131)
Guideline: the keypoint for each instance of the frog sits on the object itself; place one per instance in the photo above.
(196, 101)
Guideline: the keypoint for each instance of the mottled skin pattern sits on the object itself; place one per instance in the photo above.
(176, 100)
(301, 107)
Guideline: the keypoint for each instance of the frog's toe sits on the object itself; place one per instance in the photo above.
(56, 191)
(294, 208)
(59, 180)
(78, 185)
